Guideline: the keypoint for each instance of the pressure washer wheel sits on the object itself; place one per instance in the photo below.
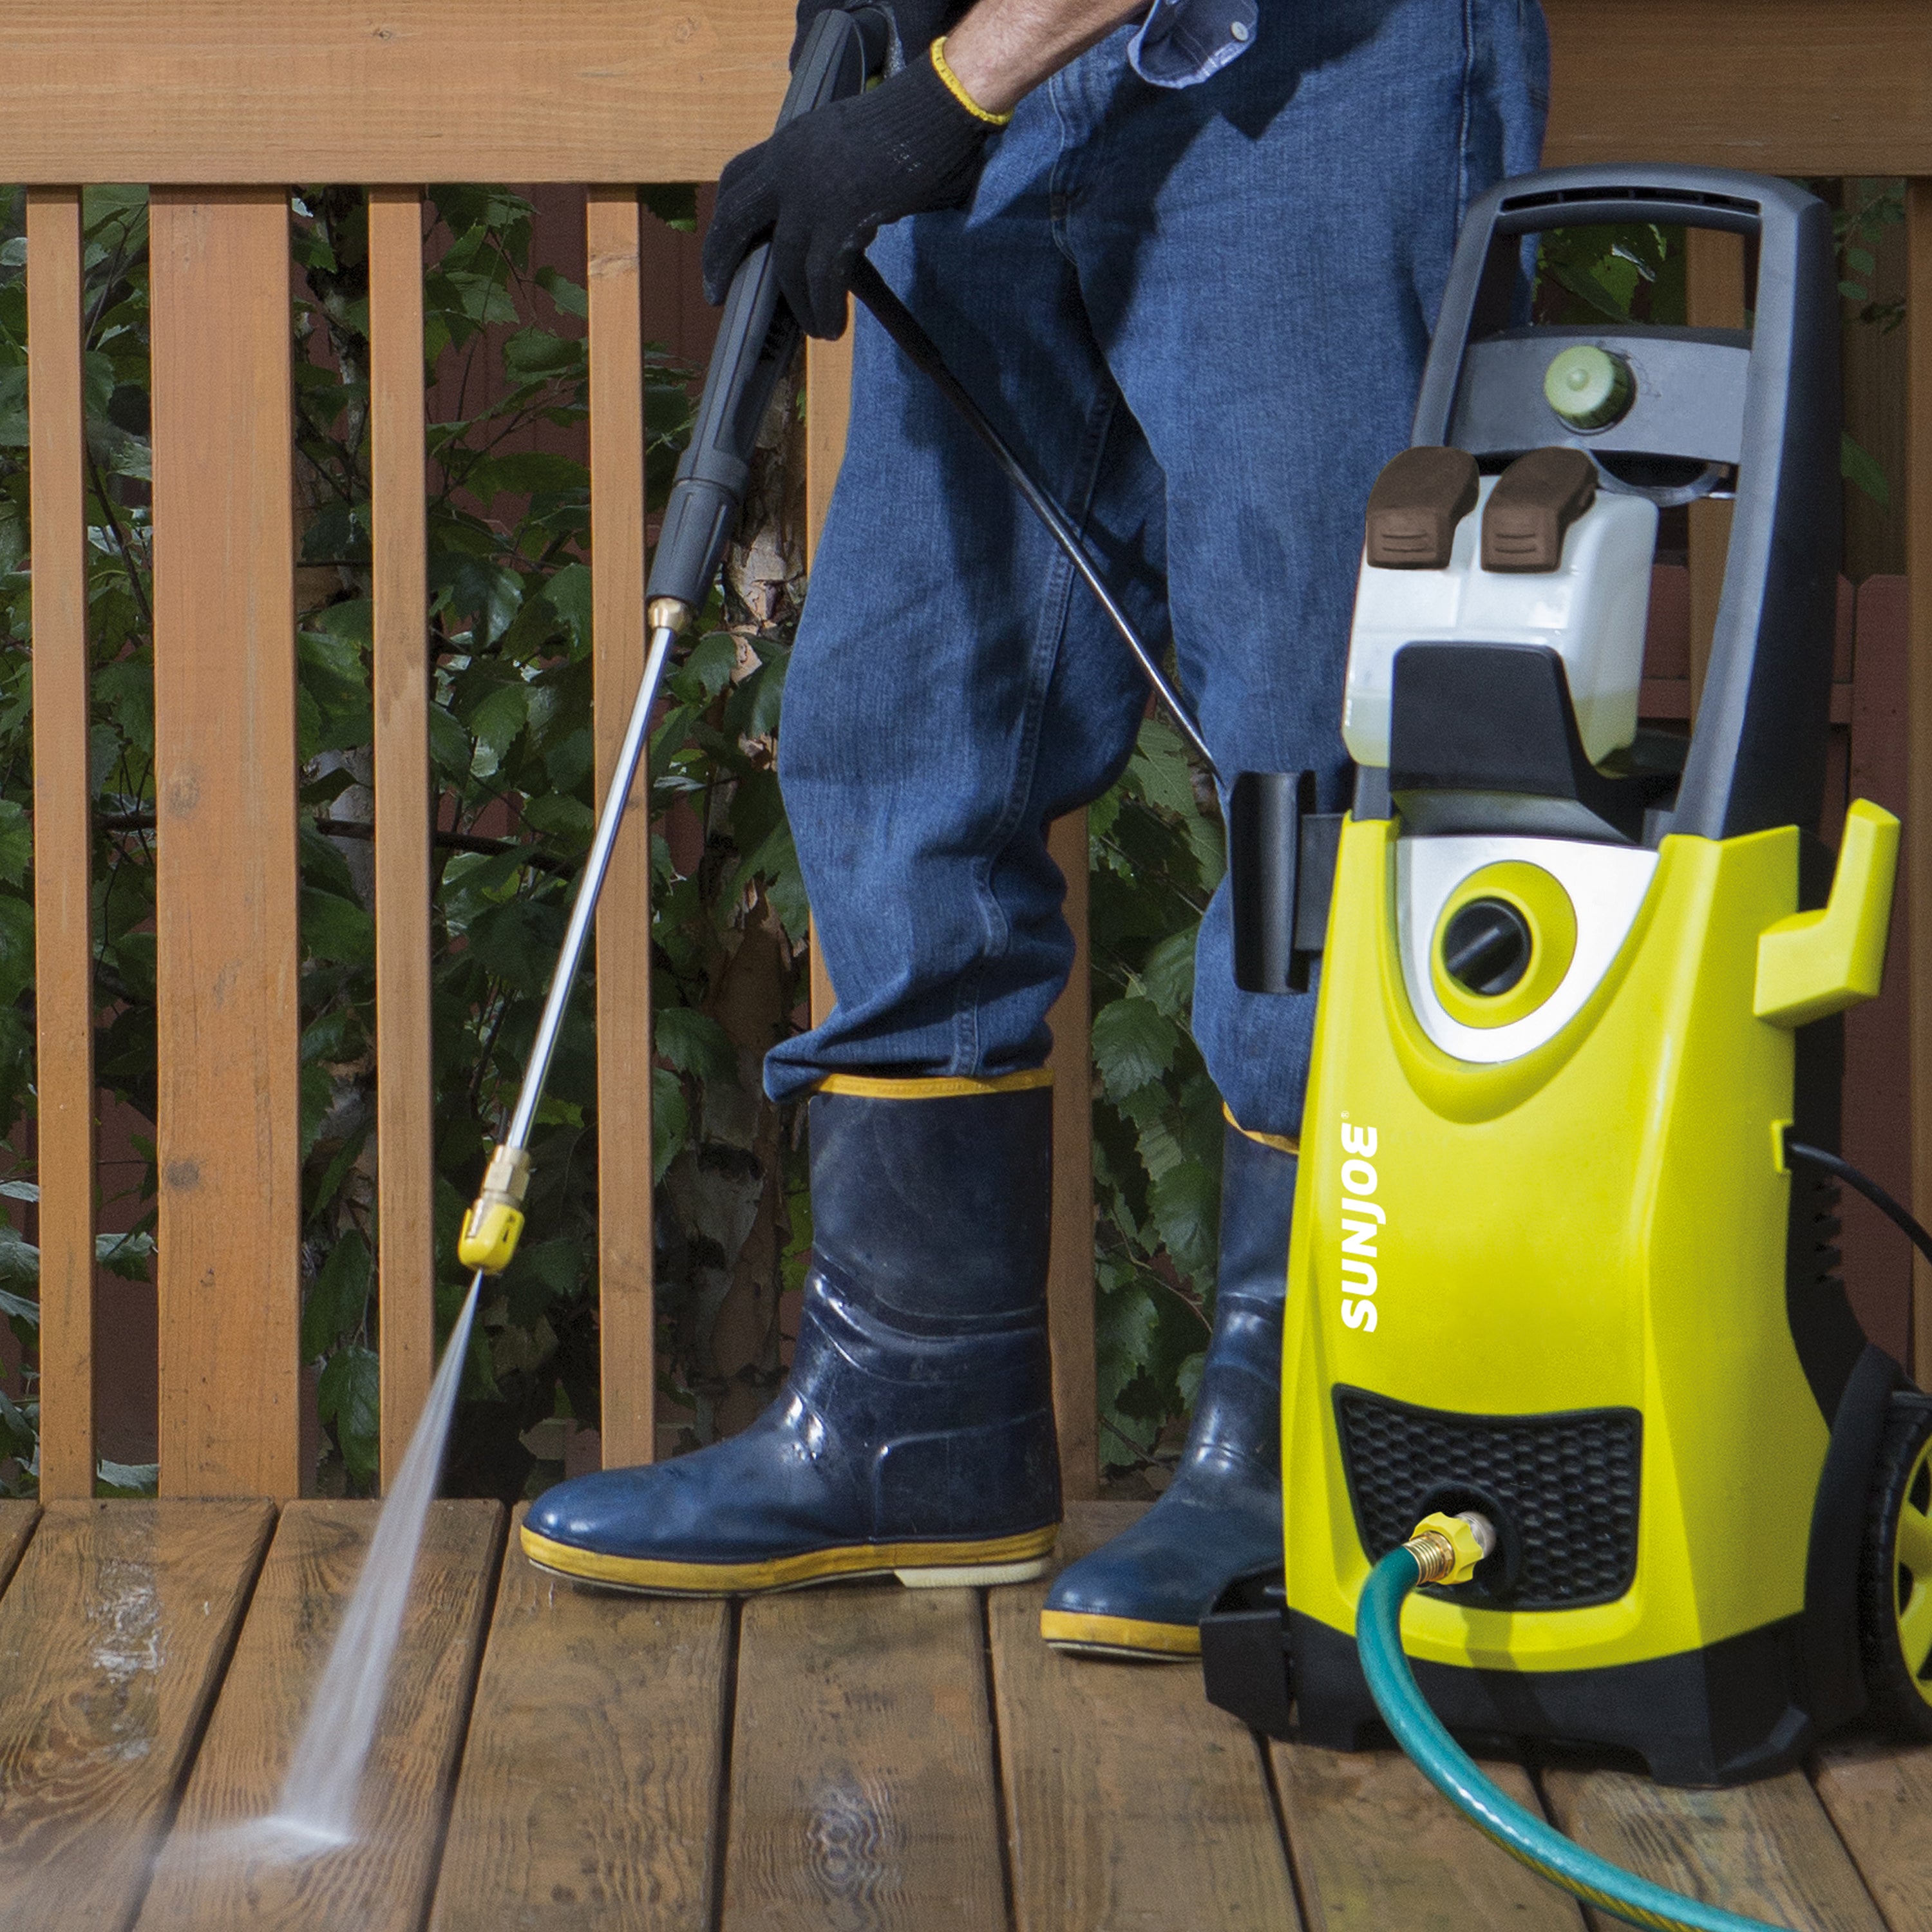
(1895, 1587)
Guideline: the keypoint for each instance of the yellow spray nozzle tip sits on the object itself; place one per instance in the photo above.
(489, 1237)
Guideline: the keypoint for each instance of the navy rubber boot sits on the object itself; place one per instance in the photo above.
(914, 1434)
(1143, 1594)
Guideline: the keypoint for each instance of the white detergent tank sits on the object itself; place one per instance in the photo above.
(1591, 611)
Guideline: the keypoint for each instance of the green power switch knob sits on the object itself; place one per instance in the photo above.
(1588, 387)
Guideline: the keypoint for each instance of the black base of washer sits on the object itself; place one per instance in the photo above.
(1726, 1715)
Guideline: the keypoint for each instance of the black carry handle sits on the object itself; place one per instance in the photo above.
(758, 337)
(1757, 756)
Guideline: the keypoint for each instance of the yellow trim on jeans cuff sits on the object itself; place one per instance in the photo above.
(1081, 1630)
(956, 88)
(942, 1086)
(663, 1578)
(1281, 1143)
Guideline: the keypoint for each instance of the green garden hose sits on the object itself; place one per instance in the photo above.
(1420, 1732)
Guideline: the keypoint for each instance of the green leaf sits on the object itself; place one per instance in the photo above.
(516, 943)
(1168, 978)
(693, 1043)
(670, 1121)
(16, 947)
(336, 929)
(1185, 1201)
(495, 723)
(525, 472)
(18, 1308)
(350, 1397)
(17, 842)
(126, 1254)
(1857, 465)
(1124, 1335)
(562, 290)
(318, 1095)
(1157, 771)
(126, 1479)
(339, 1298)
(568, 594)
(708, 668)
(674, 203)
(1134, 1044)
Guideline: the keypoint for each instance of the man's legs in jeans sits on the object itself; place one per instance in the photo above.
(1201, 316)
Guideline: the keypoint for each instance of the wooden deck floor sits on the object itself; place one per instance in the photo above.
(855, 1758)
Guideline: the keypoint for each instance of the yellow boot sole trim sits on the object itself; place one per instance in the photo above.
(1027, 1552)
(1281, 1143)
(941, 1087)
(1117, 1636)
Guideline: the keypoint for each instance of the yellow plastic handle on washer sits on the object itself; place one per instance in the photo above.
(1816, 963)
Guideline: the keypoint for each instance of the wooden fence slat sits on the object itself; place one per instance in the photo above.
(225, 805)
(1131, 1802)
(627, 1299)
(1757, 84)
(604, 91)
(379, 1882)
(204, 91)
(1917, 840)
(589, 1795)
(862, 1766)
(114, 1633)
(405, 1101)
(1713, 265)
(828, 409)
(63, 927)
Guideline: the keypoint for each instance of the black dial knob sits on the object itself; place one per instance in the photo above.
(1486, 948)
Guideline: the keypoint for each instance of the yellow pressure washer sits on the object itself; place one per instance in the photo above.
(1563, 1265)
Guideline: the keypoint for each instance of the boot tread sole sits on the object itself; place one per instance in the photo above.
(1015, 1558)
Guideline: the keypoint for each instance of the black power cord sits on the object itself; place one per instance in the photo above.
(1837, 1165)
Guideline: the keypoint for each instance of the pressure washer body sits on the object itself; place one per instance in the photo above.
(1580, 986)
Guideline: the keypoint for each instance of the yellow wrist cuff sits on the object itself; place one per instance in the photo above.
(956, 88)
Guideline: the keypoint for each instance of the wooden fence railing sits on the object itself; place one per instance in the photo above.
(219, 105)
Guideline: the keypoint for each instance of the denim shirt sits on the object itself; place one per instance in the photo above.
(1183, 41)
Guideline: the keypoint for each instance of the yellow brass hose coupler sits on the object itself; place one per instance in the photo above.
(1447, 1549)
(496, 1216)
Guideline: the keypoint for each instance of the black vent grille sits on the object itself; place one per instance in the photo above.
(1566, 1485)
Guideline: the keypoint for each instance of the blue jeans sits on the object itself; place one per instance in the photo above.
(1201, 316)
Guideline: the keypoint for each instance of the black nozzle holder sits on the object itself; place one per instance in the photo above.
(757, 336)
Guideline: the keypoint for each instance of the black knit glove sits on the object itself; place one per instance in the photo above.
(916, 24)
(824, 185)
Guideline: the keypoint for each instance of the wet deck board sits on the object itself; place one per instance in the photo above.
(589, 1795)
(862, 1789)
(558, 1760)
(1879, 1799)
(113, 1635)
(1374, 1845)
(1766, 1850)
(215, 1874)
(1133, 1805)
